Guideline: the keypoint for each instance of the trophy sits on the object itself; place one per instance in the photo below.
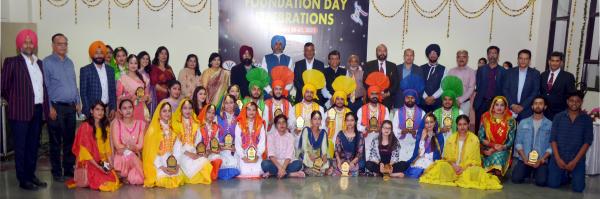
(299, 123)
(139, 93)
(447, 122)
(533, 157)
(345, 168)
(240, 104)
(331, 114)
(105, 165)
(373, 124)
(201, 149)
(318, 163)
(214, 145)
(409, 123)
(228, 142)
(387, 170)
(278, 112)
(171, 163)
(251, 153)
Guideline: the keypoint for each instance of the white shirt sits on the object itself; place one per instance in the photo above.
(37, 79)
(103, 82)
(555, 75)
(309, 65)
(381, 64)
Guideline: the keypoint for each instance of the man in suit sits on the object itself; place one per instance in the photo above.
(521, 86)
(489, 80)
(433, 73)
(333, 71)
(97, 82)
(388, 68)
(309, 62)
(555, 84)
(238, 72)
(24, 90)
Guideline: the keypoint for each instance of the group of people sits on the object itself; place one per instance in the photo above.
(283, 119)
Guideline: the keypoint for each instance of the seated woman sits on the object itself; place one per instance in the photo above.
(92, 152)
(199, 99)
(250, 141)
(127, 140)
(313, 143)
(227, 121)
(429, 148)
(349, 148)
(209, 131)
(497, 135)
(385, 153)
(196, 167)
(461, 163)
(161, 167)
(282, 161)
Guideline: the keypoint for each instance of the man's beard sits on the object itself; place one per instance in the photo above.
(432, 61)
(374, 100)
(409, 105)
(98, 61)
(246, 62)
(381, 57)
(277, 97)
(538, 111)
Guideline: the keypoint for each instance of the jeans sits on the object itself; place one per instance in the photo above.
(269, 166)
(522, 171)
(558, 176)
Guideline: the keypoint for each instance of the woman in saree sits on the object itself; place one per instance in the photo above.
(161, 74)
(250, 141)
(385, 153)
(159, 168)
(134, 86)
(215, 78)
(227, 120)
(461, 162)
(349, 148)
(127, 140)
(428, 149)
(93, 152)
(209, 131)
(313, 143)
(497, 135)
(196, 168)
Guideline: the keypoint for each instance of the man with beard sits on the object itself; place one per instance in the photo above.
(372, 114)
(281, 76)
(570, 137)
(97, 82)
(22, 86)
(336, 115)
(488, 80)
(533, 145)
(300, 114)
(258, 78)
(386, 67)
(433, 73)
(309, 62)
(408, 118)
(447, 114)
(238, 72)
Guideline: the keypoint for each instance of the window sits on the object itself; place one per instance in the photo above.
(591, 72)
(559, 24)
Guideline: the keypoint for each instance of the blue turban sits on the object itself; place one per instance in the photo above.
(278, 38)
(412, 85)
(432, 47)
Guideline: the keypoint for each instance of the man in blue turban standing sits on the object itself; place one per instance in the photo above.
(277, 58)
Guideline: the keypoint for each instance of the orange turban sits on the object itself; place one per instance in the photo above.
(24, 34)
(377, 82)
(95, 45)
(281, 76)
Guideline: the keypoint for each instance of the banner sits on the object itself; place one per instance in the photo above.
(330, 24)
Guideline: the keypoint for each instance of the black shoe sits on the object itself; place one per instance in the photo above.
(28, 186)
(59, 178)
(36, 181)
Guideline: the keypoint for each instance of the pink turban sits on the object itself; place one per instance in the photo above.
(24, 34)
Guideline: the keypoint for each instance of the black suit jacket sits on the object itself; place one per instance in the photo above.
(531, 89)
(299, 68)
(391, 73)
(238, 77)
(556, 97)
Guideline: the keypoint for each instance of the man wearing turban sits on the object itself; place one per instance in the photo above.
(447, 114)
(343, 86)
(300, 114)
(257, 78)
(281, 76)
(97, 81)
(408, 117)
(433, 73)
(277, 58)
(238, 72)
(22, 86)
(374, 109)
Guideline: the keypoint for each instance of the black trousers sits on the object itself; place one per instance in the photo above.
(26, 135)
(62, 134)
(396, 167)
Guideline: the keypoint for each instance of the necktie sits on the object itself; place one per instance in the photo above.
(381, 67)
(550, 81)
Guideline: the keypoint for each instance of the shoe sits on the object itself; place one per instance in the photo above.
(37, 182)
(59, 178)
(28, 186)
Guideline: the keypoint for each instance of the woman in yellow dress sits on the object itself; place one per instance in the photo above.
(196, 167)
(161, 168)
(461, 162)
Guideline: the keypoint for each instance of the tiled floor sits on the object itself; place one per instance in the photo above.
(323, 187)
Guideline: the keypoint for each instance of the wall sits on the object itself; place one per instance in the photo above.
(192, 34)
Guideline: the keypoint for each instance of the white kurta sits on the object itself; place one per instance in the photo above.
(424, 160)
(189, 166)
(249, 170)
(374, 113)
(306, 111)
(161, 161)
